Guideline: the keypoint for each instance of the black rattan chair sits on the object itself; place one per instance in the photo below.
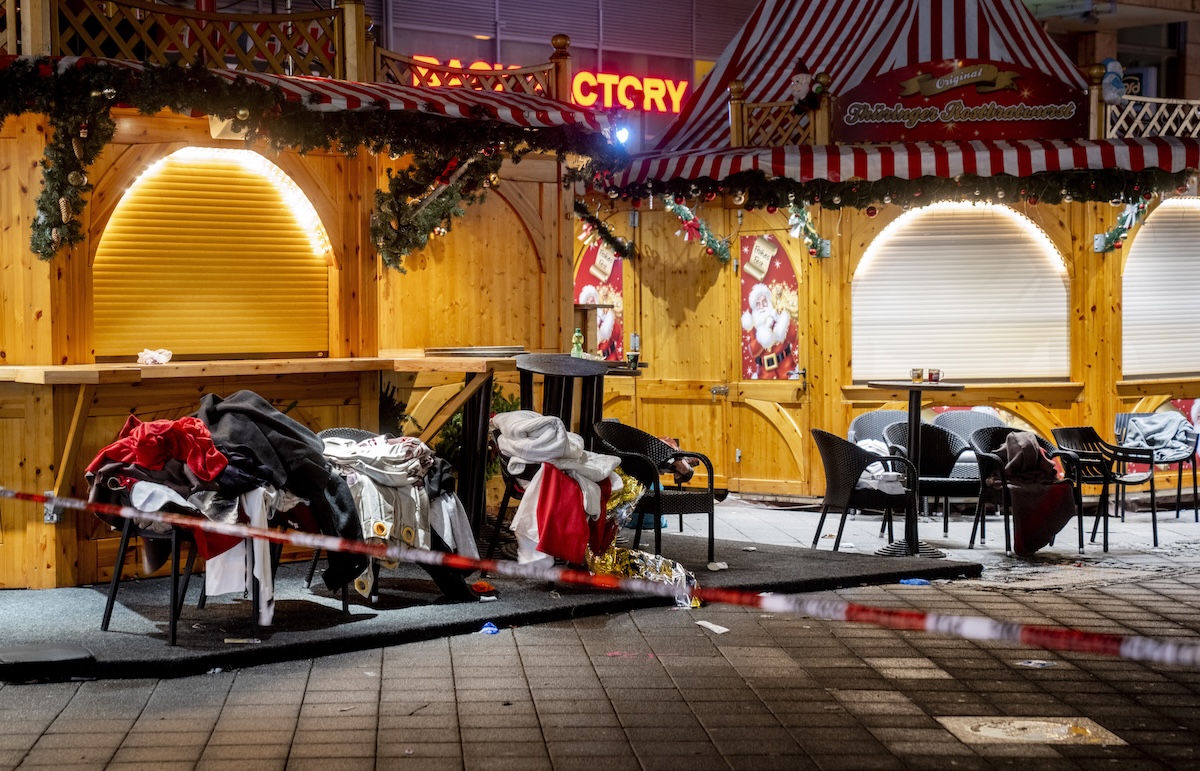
(844, 464)
(1178, 459)
(1104, 464)
(941, 450)
(985, 442)
(870, 425)
(646, 458)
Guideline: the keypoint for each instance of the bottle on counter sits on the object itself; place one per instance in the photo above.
(577, 343)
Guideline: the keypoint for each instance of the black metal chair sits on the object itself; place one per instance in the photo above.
(844, 464)
(964, 423)
(1104, 464)
(646, 458)
(985, 442)
(941, 449)
(177, 536)
(870, 425)
(559, 374)
(1178, 459)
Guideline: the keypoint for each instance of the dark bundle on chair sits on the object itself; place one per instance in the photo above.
(646, 458)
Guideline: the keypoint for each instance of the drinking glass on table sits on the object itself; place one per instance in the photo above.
(917, 374)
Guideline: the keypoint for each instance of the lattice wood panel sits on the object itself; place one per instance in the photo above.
(282, 44)
(392, 67)
(4, 28)
(773, 124)
(1150, 117)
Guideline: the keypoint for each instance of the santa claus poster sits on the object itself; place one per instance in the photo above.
(598, 282)
(770, 305)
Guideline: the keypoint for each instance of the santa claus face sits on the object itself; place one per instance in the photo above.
(762, 310)
(801, 85)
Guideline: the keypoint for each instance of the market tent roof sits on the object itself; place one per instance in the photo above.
(912, 160)
(328, 95)
(857, 41)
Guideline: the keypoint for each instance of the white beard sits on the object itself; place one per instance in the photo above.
(606, 321)
(770, 327)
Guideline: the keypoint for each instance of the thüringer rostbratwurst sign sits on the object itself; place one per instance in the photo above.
(960, 100)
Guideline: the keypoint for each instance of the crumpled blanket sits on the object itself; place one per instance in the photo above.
(1041, 503)
(1164, 432)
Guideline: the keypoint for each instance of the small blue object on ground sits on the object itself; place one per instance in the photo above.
(489, 628)
(914, 581)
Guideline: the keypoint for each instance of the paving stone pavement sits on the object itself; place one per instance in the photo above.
(652, 690)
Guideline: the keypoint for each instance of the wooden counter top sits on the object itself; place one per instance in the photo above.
(100, 374)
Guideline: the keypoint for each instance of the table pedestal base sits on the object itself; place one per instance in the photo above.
(900, 549)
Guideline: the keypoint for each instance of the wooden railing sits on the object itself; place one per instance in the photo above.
(776, 124)
(551, 79)
(1143, 116)
(282, 44)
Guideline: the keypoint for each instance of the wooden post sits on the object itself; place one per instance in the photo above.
(821, 116)
(355, 49)
(737, 114)
(1097, 109)
(36, 28)
(561, 59)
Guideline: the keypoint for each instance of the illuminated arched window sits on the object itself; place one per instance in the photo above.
(1162, 293)
(212, 252)
(975, 290)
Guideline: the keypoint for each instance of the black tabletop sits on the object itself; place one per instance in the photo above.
(919, 385)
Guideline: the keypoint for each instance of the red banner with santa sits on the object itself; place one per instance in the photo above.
(770, 305)
(598, 280)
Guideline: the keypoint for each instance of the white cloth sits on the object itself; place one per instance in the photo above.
(449, 520)
(230, 571)
(529, 438)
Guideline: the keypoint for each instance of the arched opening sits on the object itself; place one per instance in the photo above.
(976, 290)
(212, 252)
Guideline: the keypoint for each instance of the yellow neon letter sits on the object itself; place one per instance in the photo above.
(675, 90)
(582, 79)
(608, 81)
(656, 89)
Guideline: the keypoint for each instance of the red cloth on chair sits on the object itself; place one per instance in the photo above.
(564, 530)
(150, 445)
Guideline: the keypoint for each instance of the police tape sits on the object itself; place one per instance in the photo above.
(979, 628)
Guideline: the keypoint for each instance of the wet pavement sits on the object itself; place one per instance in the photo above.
(653, 689)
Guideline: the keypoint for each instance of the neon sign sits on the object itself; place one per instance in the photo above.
(588, 89)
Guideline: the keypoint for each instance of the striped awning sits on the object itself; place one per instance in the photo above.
(330, 95)
(912, 160)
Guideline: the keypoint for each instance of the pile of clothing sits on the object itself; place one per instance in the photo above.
(1042, 503)
(238, 459)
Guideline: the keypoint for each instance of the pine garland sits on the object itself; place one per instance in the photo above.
(754, 190)
(1126, 221)
(78, 100)
(696, 229)
(594, 228)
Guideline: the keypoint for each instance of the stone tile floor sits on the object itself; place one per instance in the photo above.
(653, 690)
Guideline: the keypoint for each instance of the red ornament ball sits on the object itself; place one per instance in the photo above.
(1147, 196)
(1032, 200)
(872, 211)
(1181, 189)
(636, 203)
(679, 200)
(812, 251)
(710, 250)
(709, 195)
(1117, 244)
(772, 209)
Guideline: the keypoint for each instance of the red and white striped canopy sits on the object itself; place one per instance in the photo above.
(329, 95)
(911, 160)
(857, 41)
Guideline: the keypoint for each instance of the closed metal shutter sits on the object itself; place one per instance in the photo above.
(212, 256)
(1161, 289)
(977, 291)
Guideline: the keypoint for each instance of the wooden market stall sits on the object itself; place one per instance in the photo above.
(805, 159)
(269, 263)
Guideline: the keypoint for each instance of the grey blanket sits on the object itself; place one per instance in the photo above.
(1164, 432)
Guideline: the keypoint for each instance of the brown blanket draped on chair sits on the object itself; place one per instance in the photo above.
(1041, 503)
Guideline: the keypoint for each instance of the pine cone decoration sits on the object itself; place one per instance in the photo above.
(77, 146)
(64, 207)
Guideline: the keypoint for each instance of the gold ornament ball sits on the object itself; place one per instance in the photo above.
(243, 113)
(77, 178)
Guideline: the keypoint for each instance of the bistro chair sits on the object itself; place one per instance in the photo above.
(985, 442)
(870, 425)
(1104, 464)
(964, 423)
(646, 458)
(177, 537)
(941, 450)
(559, 375)
(844, 464)
(1177, 458)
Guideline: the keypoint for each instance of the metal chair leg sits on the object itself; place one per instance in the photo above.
(312, 568)
(820, 524)
(126, 532)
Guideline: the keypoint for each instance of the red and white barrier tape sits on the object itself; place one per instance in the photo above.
(968, 627)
